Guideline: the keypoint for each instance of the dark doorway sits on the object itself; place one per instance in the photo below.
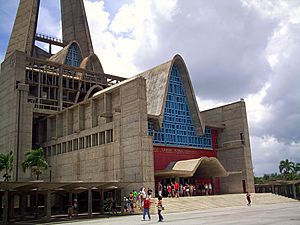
(244, 186)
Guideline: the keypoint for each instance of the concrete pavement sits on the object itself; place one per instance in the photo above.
(283, 214)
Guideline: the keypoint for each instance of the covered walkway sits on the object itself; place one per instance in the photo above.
(38, 199)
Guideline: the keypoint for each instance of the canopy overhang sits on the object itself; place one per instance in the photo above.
(70, 186)
(204, 166)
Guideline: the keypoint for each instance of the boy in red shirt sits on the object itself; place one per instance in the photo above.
(146, 208)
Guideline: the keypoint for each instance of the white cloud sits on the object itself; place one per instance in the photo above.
(238, 49)
(267, 152)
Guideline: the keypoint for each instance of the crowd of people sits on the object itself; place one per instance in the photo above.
(142, 201)
(136, 199)
(181, 190)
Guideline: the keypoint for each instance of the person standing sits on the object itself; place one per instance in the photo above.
(176, 189)
(210, 188)
(76, 208)
(70, 209)
(149, 193)
(159, 209)
(146, 208)
(248, 197)
(206, 188)
(169, 191)
(160, 188)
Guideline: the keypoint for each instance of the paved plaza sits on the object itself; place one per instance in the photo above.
(283, 214)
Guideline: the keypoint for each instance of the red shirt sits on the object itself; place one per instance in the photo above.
(146, 203)
(176, 186)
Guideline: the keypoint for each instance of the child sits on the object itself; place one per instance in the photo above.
(248, 196)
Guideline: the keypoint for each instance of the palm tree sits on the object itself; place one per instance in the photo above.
(297, 168)
(286, 167)
(6, 163)
(35, 160)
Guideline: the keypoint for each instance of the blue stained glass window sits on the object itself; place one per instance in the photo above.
(177, 128)
(73, 57)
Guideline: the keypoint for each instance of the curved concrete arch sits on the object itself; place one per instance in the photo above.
(92, 63)
(60, 57)
(205, 166)
(157, 80)
(92, 90)
(190, 94)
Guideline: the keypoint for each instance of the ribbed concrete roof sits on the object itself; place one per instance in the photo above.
(157, 88)
(60, 56)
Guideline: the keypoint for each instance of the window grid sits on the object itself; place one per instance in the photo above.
(73, 57)
(177, 127)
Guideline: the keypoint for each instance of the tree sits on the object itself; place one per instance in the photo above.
(286, 168)
(297, 168)
(6, 163)
(35, 160)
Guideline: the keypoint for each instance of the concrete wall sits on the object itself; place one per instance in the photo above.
(15, 111)
(233, 153)
(128, 158)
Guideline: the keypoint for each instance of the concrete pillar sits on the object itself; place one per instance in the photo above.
(90, 202)
(48, 205)
(70, 197)
(5, 208)
(213, 180)
(294, 191)
(23, 204)
(11, 206)
(101, 201)
(122, 200)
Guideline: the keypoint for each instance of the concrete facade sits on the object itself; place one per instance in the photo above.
(103, 138)
(94, 126)
(233, 146)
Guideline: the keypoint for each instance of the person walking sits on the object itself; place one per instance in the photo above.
(248, 197)
(159, 209)
(146, 208)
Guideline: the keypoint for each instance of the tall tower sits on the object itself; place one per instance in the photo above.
(34, 83)
(24, 29)
(75, 26)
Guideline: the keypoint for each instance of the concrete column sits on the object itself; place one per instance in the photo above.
(5, 208)
(213, 184)
(90, 202)
(294, 191)
(23, 204)
(122, 200)
(48, 205)
(60, 89)
(101, 201)
(11, 206)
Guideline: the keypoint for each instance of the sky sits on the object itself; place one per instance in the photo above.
(233, 49)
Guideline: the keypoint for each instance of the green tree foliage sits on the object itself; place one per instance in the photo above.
(35, 160)
(6, 164)
(287, 169)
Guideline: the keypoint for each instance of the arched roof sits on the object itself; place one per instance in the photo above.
(92, 63)
(60, 57)
(205, 166)
(157, 80)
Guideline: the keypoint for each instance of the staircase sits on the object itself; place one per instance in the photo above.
(183, 204)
